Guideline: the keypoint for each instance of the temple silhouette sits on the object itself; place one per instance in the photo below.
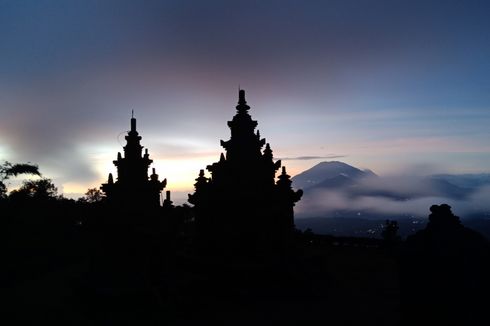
(133, 187)
(233, 258)
(242, 203)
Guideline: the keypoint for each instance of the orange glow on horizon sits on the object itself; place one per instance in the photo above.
(180, 173)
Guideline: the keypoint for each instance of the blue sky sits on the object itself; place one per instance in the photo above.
(388, 85)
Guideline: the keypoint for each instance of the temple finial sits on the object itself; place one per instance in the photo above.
(133, 121)
(242, 103)
(241, 96)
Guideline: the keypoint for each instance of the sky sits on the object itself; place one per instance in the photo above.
(393, 86)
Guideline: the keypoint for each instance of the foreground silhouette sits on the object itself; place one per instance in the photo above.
(80, 263)
(8, 170)
(242, 205)
(125, 257)
(133, 188)
(444, 272)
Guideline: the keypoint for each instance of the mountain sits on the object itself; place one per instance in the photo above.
(354, 182)
(329, 174)
(341, 199)
(468, 181)
(446, 188)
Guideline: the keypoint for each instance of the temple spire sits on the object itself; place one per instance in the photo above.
(241, 97)
(242, 204)
(133, 122)
(133, 185)
(268, 152)
(242, 106)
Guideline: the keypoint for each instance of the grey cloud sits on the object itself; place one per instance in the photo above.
(395, 196)
(71, 73)
(307, 158)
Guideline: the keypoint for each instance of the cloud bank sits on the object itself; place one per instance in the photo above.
(392, 197)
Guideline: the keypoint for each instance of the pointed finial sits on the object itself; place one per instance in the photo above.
(241, 96)
(167, 203)
(268, 152)
(133, 121)
(242, 103)
(154, 175)
(267, 149)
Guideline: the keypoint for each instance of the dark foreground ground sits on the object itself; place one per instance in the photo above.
(318, 284)
(57, 271)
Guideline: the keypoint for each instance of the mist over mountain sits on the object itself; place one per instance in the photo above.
(468, 181)
(335, 175)
(357, 201)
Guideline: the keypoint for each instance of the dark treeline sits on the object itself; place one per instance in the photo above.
(86, 263)
(121, 255)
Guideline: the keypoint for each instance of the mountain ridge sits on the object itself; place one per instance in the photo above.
(329, 170)
(337, 189)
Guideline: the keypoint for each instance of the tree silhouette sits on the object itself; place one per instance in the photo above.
(8, 170)
(93, 195)
(444, 272)
(3, 190)
(37, 189)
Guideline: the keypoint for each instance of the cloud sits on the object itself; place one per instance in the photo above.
(391, 197)
(72, 73)
(307, 158)
(398, 187)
